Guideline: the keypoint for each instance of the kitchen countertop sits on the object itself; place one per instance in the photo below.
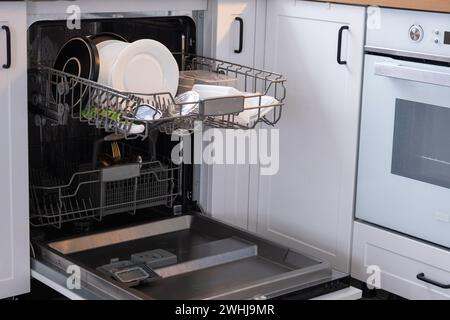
(428, 5)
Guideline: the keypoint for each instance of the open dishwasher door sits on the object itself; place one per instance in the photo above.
(186, 257)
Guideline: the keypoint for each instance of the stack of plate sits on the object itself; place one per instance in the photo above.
(144, 66)
(141, 67)
(79, 57)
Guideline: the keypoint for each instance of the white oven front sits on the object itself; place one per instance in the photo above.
(404, 155)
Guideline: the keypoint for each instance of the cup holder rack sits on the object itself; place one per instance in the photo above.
(60, 95)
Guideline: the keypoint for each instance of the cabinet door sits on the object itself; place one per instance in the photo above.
(235, 21)
(308, 205)
(14, 233)
(225, 187)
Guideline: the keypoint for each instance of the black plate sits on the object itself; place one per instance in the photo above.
(79, 57)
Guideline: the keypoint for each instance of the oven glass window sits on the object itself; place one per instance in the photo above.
(421, 146)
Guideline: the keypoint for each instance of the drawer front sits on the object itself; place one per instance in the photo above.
(400, 260)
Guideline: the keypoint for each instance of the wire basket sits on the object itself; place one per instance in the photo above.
(98, 193)
(63, 95)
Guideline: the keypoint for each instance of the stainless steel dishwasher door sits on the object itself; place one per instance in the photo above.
(214, 261)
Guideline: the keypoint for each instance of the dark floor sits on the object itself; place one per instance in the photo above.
(40, 291)
(373, 294)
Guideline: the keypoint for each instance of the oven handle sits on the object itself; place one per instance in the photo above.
(398, 71)
(421, 276)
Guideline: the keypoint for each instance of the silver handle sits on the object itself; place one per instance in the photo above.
(398, 71)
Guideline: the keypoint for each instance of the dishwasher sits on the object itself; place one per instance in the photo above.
(134, 230)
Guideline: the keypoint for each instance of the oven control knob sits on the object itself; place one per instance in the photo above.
(416, 33)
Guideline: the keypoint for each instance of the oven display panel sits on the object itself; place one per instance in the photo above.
(447, 37)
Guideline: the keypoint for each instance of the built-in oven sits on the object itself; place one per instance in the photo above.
(404, 154)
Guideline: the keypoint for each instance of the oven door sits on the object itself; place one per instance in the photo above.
(404, 155)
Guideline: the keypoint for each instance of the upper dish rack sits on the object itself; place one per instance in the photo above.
(115, 111)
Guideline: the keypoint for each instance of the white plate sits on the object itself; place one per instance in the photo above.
(108, 51)
(145, 66)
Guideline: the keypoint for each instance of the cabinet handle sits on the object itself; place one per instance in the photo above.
(8, 47)
(339, 46)
(421, 276)
(241, 34)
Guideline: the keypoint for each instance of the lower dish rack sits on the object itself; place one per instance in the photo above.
(58, 96)
(98, 193)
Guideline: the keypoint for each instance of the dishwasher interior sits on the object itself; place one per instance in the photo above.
(132, 227)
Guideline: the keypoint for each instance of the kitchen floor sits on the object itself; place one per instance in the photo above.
(377, 294)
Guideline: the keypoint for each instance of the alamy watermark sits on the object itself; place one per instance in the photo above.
(73, 20)
(374, 279)
(73, 281)
(373, 18)
(232, 147)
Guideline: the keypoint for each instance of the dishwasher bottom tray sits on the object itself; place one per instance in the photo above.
(189, 257)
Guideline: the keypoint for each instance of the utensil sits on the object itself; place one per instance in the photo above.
(116, 155)
(105, 159)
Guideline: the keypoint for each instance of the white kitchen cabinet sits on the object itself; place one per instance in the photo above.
(227, 192)
(228, 17)
(14, 233)
(393, 262)
(308, 204)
